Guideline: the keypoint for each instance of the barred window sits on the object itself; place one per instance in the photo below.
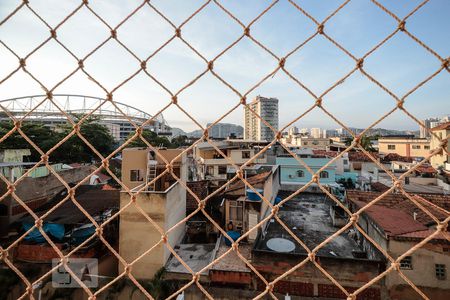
(406, 263)
(440, 271)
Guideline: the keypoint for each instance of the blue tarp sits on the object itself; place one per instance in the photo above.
(56, 230)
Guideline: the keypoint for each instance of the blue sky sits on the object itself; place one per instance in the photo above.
(400, 64)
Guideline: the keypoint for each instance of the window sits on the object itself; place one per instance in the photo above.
(210, 170)
(222, 170)
(324, 174)
(245, 154)
(416, 146)
(136, 175)
(391, 147)
(440, 271)
(406, 263)
(306, 143)
(300, 173)
(426, 147)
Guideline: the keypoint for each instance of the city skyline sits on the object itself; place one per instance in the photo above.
(400, 64)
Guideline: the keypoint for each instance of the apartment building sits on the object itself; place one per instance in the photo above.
(429, 123)
(254, 128)
(441, 159)
(397, 225)
(164, 202)
(211, 165)
(404, 145)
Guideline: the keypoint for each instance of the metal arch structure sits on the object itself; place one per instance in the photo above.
(35, 108)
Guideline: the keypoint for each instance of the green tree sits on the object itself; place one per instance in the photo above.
(180, 141)
(39, 134)
(366, 143)
(152, 138)
(76, 150)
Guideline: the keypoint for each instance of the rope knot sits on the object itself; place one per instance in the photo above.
(319, 102)
(279, 135)
(443, 143)
(17, 124)
(239, 174)
(354, 218)
(195, 277)
(315, 178)
(26, 2)
(99, 231)
(50, 95)
(105, 163)
(178, 32)
(400, 104)
(320, 28)
(401, 25)
(127, 269)
(81, 63)
(395, 265)
(133, 198)
(205, 133)
(174, 99)
(164, 238)
(360, 63)
(312, 256)
(210, 65)
(76, 127)
(109, 97)
(143, 65)
(11, 188)
(282, 62)
(38, 223)
(351, 297)
(85, 2)
(3, 254)
(247, 31)
(244, 100)
(93, 297)
(269, 287)
(71, 192)
(53, 33)
(235, 246)
(113, 33)
(442, 226)
(44, 158)
(169, 167)
(22, 62)
(446, 64)
(398, 184)
(275, 209)
(202, 204)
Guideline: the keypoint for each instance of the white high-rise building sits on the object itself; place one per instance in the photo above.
(293, 131)
(254, 127)
(431, 123)
(316, 133)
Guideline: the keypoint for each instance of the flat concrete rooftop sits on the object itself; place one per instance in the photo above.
(308, 217)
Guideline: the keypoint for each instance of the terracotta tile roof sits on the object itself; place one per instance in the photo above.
(393, 221)
(395, 157)
(422, 234)
(352, 155)
(379, 187)
(400, 202)
(426, 169)
(445, 126)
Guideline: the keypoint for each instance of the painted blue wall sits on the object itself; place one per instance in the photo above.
(289, 167)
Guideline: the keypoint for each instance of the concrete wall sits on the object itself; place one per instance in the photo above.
(137, 234)
(405, 146)
(134, 159)
(439, 159)
(423, 264)
(290, 166)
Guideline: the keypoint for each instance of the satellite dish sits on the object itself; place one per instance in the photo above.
(280, 245)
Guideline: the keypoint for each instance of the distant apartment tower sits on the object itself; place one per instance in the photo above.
(293, 131)
(224, 130)
(429, 123)
(316, 133)
(267, 109)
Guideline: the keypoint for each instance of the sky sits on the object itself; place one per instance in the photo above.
(399, 65)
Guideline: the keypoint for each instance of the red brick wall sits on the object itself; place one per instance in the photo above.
(332, 291)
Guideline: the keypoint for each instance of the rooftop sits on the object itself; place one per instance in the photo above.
(196, 256)
(93, 199)
(445, 126)
(308, 216)
(400, 202)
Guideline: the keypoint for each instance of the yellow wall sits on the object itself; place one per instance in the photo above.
(439, 159)
(404, 146)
